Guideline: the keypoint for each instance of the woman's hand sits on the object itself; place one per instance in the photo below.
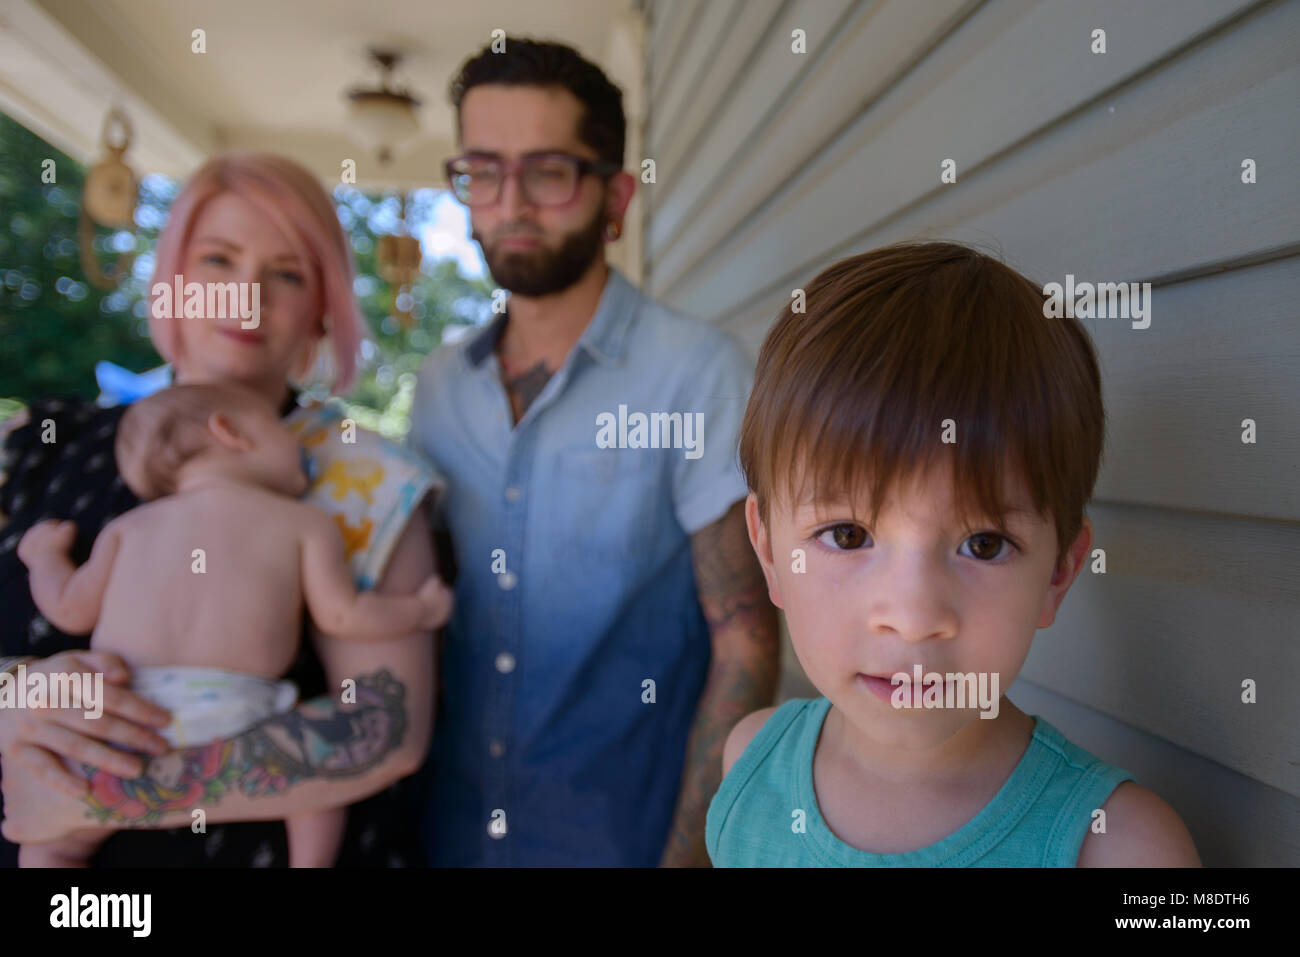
(39, 738)
(33, 813)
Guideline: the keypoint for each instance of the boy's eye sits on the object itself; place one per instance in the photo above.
(986, 546)
(845, 536)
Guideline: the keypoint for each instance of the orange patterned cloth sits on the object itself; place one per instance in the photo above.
(369, 485)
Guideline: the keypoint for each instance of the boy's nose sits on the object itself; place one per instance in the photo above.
(910, 601)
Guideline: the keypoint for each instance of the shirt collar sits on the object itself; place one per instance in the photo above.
(605, 335)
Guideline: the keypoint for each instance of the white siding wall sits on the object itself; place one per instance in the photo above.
(1123, 166)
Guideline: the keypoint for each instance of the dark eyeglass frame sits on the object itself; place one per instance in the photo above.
(582, 167)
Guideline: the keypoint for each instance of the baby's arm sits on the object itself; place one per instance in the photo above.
(68, 596)
(338, 609)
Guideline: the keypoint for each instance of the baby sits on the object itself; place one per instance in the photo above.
(920, 445)
(201, 590)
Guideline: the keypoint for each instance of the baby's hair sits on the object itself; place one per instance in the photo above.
(850, 394)
(160, 433)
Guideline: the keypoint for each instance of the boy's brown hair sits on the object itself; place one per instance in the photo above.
(850, 395)
(160, 433)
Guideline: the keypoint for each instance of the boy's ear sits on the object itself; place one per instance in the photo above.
(227, 431)
(1066, 571)
(761, 541)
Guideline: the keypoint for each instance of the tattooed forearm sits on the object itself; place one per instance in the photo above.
(320, 739)
(742, 676)
(734, 689)
(728, 576)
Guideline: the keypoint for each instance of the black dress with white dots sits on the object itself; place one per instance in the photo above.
(61, 465)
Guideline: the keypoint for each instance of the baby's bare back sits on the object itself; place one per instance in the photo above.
(209, 579)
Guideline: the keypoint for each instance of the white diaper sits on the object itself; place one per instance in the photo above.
(209, 703)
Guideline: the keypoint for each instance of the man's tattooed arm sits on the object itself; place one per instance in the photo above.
(272, 764)
(742, 674)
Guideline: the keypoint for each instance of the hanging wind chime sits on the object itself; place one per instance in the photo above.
(397, 257)
(108, 200)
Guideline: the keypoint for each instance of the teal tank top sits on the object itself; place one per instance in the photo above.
(1039, 818)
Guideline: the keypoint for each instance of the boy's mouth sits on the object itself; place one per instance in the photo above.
(883, 685)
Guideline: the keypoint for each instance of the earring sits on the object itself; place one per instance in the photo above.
(612, 230)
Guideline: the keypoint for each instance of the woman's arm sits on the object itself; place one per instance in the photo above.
(372, 729)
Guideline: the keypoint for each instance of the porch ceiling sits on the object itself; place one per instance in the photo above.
(274, 73)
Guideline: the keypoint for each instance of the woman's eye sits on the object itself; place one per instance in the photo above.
(287, 276)
(986, 546)
(844, 537)
(216, 259)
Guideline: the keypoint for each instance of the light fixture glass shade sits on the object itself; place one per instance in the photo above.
(381, 122)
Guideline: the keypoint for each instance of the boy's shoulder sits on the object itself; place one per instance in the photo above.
(742, 734)
(1142, 830)
(749, 727)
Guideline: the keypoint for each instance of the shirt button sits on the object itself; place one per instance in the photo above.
(505, 662)
(496, 748)
(507, 580)
(512, 493)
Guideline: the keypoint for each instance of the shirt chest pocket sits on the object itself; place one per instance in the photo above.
(607, 504)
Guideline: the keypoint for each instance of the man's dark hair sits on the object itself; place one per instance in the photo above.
(542, 63)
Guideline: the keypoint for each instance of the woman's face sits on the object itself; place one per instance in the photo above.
(234, 242)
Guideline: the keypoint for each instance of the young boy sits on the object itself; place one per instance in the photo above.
(202, 589)
(920, 445)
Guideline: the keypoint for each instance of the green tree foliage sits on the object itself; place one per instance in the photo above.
(55, 325)
(441, 296)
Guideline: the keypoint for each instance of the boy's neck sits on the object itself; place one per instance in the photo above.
(981, 744)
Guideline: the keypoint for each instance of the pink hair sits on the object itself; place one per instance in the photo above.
(292, 198)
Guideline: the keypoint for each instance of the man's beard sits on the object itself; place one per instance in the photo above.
(541, 271)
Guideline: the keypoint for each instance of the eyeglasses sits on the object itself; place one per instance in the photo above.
(546, 179)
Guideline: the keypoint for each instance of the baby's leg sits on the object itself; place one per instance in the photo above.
(314, 837)
(75, 850)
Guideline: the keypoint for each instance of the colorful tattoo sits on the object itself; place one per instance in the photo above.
(320, 739)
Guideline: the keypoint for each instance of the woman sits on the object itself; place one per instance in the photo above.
(241, 219)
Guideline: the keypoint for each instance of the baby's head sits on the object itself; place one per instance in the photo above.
(920, 443)
(193, 429)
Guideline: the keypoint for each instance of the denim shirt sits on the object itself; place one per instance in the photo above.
(577, 652)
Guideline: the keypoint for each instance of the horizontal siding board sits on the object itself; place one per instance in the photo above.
(769, 74)
(1190, 605)
(1157, 157)
(678, 19)
(673, 134)
(706, 37)
(869, 53)
(1221, 348)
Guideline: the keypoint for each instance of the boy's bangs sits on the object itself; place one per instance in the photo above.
(859, 454)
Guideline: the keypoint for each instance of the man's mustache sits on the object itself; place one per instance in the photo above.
(512, 232)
